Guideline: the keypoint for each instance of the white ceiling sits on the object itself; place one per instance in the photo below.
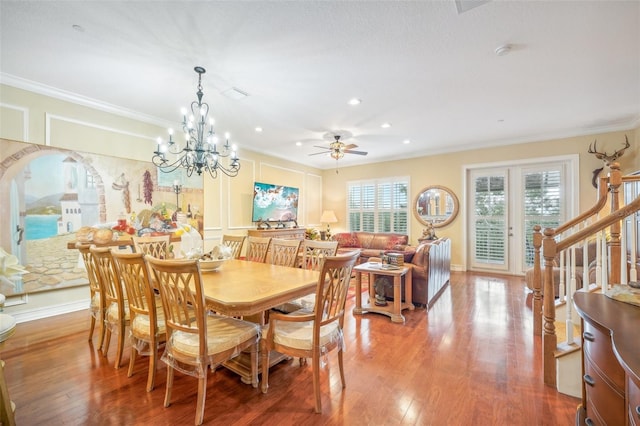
(427, 69)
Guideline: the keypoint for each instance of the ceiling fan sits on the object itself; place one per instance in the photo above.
(338, 149)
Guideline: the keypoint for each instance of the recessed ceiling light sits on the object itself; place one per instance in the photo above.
(355, 101)
(385, 125)
(258, 129)
(298, 143)
(406, 141)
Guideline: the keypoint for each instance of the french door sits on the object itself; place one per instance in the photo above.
(505, 202)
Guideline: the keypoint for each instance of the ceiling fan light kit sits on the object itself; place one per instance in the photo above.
(337, 149)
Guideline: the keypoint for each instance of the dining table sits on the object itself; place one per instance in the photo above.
(241, 288)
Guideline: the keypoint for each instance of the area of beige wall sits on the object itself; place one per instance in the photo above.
(31, 117)
(448, 170)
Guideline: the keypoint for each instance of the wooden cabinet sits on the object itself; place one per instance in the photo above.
(633, 405)
(286, 233)
(611, 361)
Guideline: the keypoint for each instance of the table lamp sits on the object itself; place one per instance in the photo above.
(328, 217)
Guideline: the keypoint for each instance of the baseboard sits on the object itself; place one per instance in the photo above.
(458, 268)
(50, 311)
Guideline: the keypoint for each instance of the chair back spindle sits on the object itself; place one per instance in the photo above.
(284, 252)
(235, 242)
(258, 248)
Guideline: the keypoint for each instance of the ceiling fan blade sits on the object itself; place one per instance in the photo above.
(350, 146)
(347, 151)
(322, 147)
(318, 153)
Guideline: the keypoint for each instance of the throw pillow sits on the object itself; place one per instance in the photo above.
(394, 242)
(347, 239)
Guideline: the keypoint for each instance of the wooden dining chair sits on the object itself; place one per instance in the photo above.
(147, 325)
(284, 252)
(96, 292)
(235, 242)
(116, 316)
(311, 335)
(156, 246)
(7, 406)
(197, 342)
(313, 254)
(257, 248)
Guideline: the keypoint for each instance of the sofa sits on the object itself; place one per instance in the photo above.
(373, 244)
(431, 272)
(430, 261)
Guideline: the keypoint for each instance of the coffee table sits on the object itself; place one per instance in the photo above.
(392, 310)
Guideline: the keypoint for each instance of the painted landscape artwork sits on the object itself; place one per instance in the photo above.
(47, 194)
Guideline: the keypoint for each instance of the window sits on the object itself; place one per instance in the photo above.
(91, 182)
(379, 205)
(543, 204)
(490, 219)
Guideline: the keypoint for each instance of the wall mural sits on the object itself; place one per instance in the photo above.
(48, 194)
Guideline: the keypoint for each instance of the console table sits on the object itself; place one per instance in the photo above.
(394, 310)
(611, 361)
(286, 233)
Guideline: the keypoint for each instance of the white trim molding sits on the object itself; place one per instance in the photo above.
(25, 118)
(50, 117)
(32, 86)
(50, 311)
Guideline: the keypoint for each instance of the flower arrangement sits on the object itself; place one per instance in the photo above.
(312, 234)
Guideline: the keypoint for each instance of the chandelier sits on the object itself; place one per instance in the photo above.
(202, 150)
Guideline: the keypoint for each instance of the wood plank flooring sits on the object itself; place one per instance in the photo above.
(470, 360)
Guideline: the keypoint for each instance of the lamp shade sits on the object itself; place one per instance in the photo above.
(328, 216)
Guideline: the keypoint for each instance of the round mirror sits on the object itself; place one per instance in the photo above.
(436, 205)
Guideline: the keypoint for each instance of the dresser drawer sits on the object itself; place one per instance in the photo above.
(608, 403)
(633, 402)
(598, 348)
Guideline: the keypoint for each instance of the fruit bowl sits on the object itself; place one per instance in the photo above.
(210, 264)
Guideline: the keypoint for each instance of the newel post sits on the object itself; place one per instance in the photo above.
(615, 180)
(549, 337)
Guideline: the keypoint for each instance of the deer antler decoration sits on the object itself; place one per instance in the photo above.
(607, 158)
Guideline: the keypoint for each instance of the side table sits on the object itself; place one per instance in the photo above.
(395, 310)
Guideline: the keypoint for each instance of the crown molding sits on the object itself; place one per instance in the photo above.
(43, 89)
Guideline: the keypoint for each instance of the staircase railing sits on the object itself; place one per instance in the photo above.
(559, 249)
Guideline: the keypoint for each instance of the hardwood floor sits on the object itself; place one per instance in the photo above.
(471, 360)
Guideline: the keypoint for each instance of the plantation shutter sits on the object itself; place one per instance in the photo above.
(490, 220)
(542, 204)
(378, 205)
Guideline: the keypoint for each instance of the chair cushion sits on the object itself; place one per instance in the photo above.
(7, 326)
(140, 326)
(299, 335)
(112, 312)
(223, 333)
(95, 303)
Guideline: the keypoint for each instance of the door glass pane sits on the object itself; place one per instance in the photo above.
(490, 220)
(542, 205)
